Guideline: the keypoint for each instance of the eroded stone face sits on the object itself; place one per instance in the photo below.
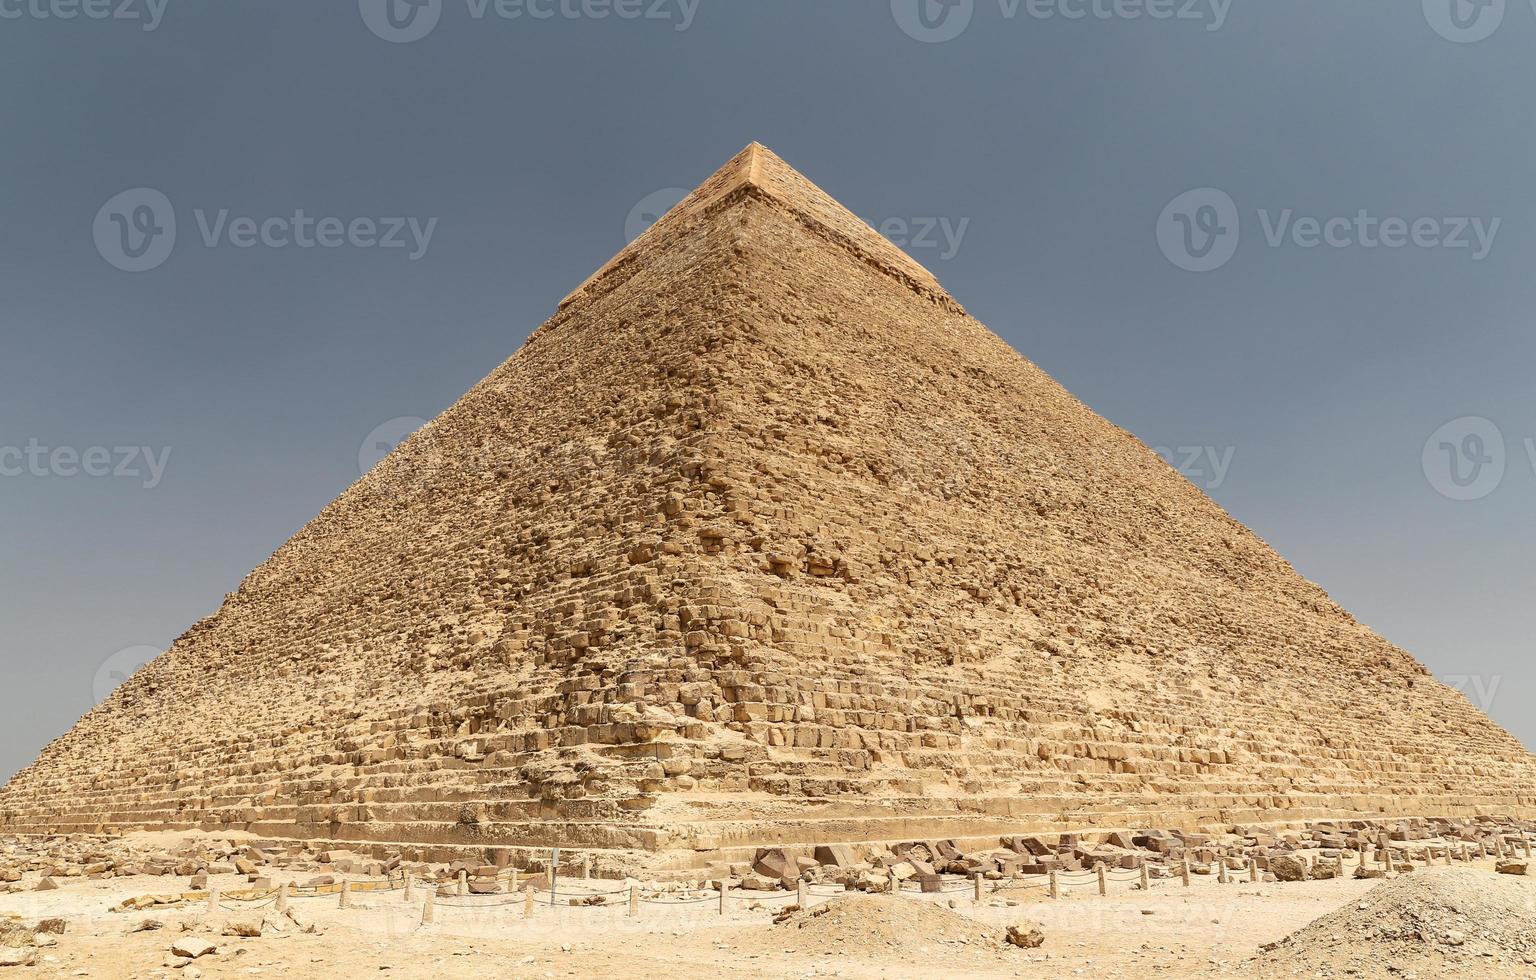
(759, 540)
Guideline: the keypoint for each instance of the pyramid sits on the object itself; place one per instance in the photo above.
(761, 539)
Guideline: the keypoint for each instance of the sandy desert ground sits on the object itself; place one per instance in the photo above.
(1207, 929)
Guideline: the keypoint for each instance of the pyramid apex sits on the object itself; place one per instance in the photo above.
(759, 171)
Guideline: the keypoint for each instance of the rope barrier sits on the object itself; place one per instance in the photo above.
(458, 902)
(764, 898)
(1020, 887)
(572, 897)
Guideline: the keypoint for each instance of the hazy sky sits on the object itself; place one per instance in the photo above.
(1360, 361)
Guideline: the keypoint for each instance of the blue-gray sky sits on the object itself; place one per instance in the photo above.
(1309, 382)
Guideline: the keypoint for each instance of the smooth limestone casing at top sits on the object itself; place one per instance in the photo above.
(762, 540)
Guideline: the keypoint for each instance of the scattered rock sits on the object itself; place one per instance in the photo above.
(192, 947)
(10, 956)
(1025, 935)
(244, 928)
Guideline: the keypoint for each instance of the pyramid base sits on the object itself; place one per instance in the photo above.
(682, 836)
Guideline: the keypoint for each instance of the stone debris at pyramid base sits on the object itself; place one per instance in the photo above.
(763, 542)
(1254, 853)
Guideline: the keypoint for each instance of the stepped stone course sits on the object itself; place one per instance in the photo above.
(762, 540)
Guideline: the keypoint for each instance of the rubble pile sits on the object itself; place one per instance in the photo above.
(1441, 922)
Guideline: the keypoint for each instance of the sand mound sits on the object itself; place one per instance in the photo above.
(1436, 922)
(872, 923)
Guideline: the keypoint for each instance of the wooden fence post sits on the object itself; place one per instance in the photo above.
(1055, 891)
(1185, 871)
(428, 907)
(725, 890)
(802, 894)
(463, 882)
(634, 900)
(554, 873)
(1103, 881)
(528, 902)
(346, 894)
(586, 867)
(282, 898)
(1146, 878)
(976, 880)
(410, 886)
(213, 898)
(1253, 869)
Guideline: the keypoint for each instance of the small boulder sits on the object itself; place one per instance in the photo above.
(1286, 868)
(192, 947)
(1511, 867)
(775, 862)
(11, 956)
(243, 928)
(836, 855)
(1025, 935)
